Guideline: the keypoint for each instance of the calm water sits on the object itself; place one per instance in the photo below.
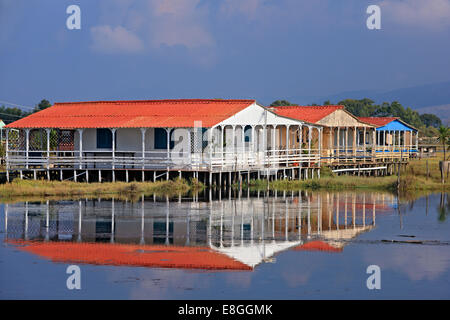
(221, 246)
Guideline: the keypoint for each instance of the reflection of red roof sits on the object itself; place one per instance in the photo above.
(306, 113)
(133, 114)
(133, 255)
(317, 246)
(377, 121)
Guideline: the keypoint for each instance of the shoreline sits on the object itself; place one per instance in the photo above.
(414, 179)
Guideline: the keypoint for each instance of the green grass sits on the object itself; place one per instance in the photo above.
(413, 179)
(43, 188)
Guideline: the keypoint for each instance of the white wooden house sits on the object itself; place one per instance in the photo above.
(144, 140)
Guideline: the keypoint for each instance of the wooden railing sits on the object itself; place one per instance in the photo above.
(369, 154)
(162, 160)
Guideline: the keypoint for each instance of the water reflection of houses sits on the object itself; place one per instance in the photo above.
(230, 232)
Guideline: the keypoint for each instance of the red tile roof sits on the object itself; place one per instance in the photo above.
(133, 114)
(377, 121)
(311, 114)
(159, 256)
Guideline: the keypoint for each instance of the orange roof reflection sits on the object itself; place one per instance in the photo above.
(159, 256)
(317, 246)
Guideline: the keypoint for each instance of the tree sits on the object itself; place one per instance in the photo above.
(8, 114)
(430, 120)
(280, 103)
(360, 108)
(44, 104)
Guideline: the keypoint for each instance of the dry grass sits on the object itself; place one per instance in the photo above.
(45, 188)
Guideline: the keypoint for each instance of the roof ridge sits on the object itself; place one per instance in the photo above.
(158, 101)
(299, 106)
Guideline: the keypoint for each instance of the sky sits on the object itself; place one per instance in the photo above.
(261, 49)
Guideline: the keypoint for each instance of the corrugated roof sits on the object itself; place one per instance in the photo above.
(311, 114)
(377, 121)
(132, 255)
(133, 114)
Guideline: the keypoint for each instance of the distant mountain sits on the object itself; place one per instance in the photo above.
(442, 111)
(430, 98)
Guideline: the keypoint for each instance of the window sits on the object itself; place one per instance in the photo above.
(104, 139)
(160, 232)
(248, 133)
(161, 139)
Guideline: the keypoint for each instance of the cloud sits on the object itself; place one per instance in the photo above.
(151, 25)
(107, 39)
(248, 8)
(416, 262)
(179, 22)
(430, 14)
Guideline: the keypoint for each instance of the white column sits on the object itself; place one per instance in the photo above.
(287, 138)
(7, 155)
(274, 148)
(80, 146)
(27, 145)
(48, 142)
(243, 138)
(168, 152)
(364, 144)
(410, 140)
(222, 156)
(264, 143)
(417, 140)
(309, 138)
(210, 146)
(346, 142)
(168, 144)
(233, 143)
(338, 142)
(252, 139)
(300, 139)
(113, 131)
(143, 132)
(320, 147)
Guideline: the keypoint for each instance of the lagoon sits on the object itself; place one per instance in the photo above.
(227, 245)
